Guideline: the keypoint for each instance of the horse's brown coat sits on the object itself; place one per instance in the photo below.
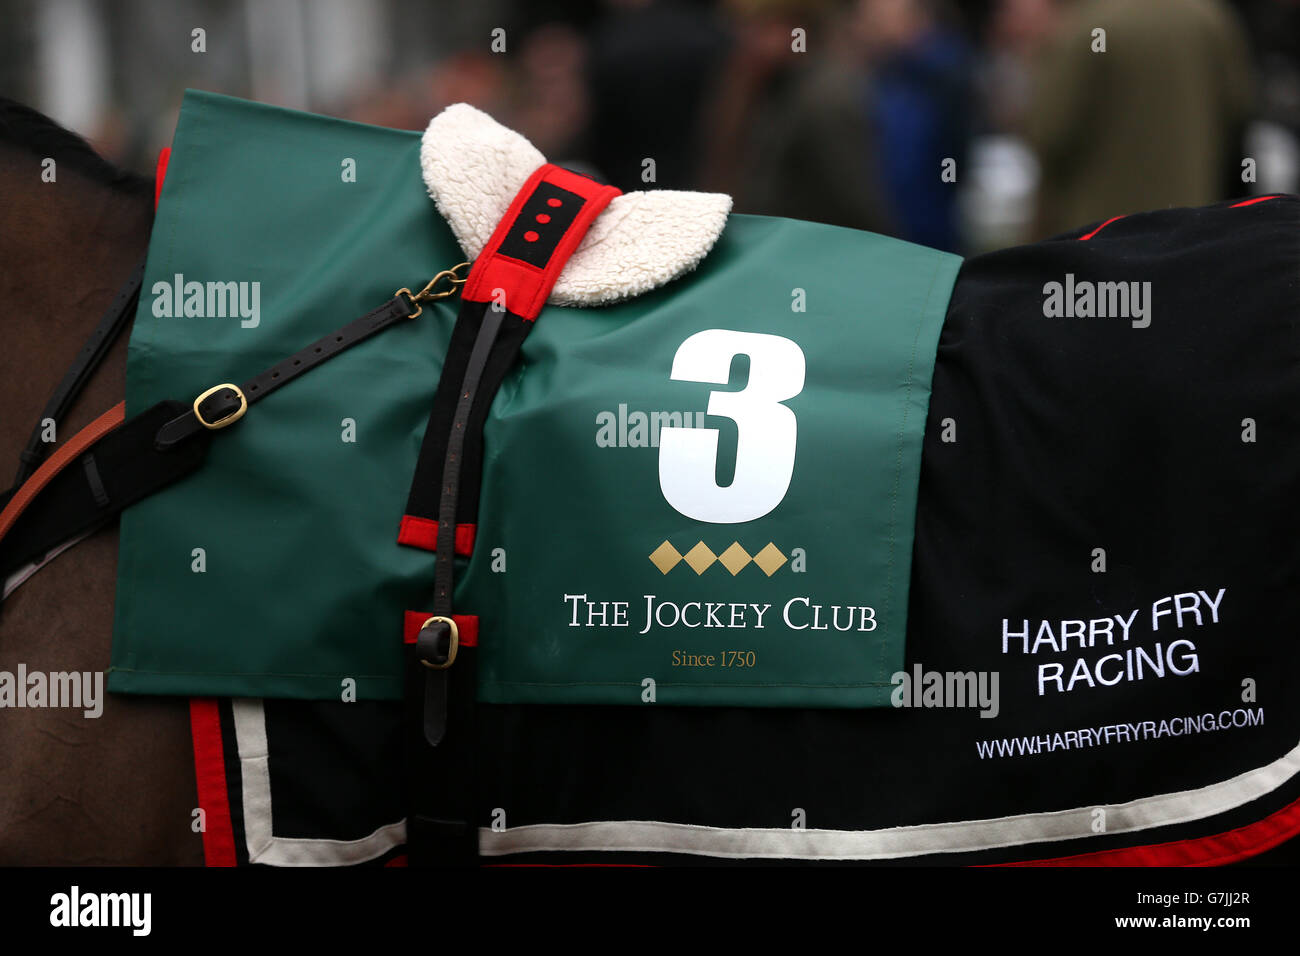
(118, 789)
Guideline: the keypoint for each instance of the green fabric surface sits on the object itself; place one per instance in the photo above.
(305, 585)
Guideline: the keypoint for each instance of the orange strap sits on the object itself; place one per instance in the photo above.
(61, 458)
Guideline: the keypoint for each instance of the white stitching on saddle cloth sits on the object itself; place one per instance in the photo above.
(743, 843)
(263, 845)
(649, 836)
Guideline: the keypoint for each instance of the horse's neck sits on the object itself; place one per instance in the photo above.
(65, 249)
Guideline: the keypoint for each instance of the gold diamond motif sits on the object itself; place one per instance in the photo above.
(734, 558)
(665, 557)
(770, 559)
(700, 557)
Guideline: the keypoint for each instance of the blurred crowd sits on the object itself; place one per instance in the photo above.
(963, 126)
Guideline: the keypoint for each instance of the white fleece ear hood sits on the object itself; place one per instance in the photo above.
(473, 167)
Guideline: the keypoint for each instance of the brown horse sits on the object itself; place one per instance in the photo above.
(120, 788)
(117, 789)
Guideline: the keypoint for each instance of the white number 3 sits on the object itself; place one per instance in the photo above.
(688, 457)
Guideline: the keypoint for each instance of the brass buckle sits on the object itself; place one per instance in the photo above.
(229, 419)
(451, 648)
(428, 295)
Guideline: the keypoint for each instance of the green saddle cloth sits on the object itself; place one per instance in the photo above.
(701, 496)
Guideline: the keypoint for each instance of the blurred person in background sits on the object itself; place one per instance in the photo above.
(651, 64)
(787, 132)
(920, 112)
(999, 180)
(1275, 30)
(1274, 139)
(1017, 30)
(1154, 121)
(537, 87)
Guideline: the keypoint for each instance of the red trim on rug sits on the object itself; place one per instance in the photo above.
(1236, 205)
(466, 627)
(1251, 202)
(1100, 228)
(210, 775)
(1217, 850)
(423, 533)
(525, 286)
(398, 861)
(160, 173)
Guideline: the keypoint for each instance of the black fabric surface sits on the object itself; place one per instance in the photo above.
(1072, 434)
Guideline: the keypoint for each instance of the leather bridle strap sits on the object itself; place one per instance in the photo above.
(123, 462)
(66, 454)
(507, 287)
(106, 331)
(119, 465)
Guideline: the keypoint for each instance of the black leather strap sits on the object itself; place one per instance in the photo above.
(151, 450)
(122, 468)
(94, 480)
(440, 693)
(433, 652)
(440, 723)
(110, 326)
(424, 498)
(223, 406)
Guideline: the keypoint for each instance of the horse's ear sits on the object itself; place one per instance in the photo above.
(473, 167)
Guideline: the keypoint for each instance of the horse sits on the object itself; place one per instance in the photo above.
(1034, 401)
(118, 789)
